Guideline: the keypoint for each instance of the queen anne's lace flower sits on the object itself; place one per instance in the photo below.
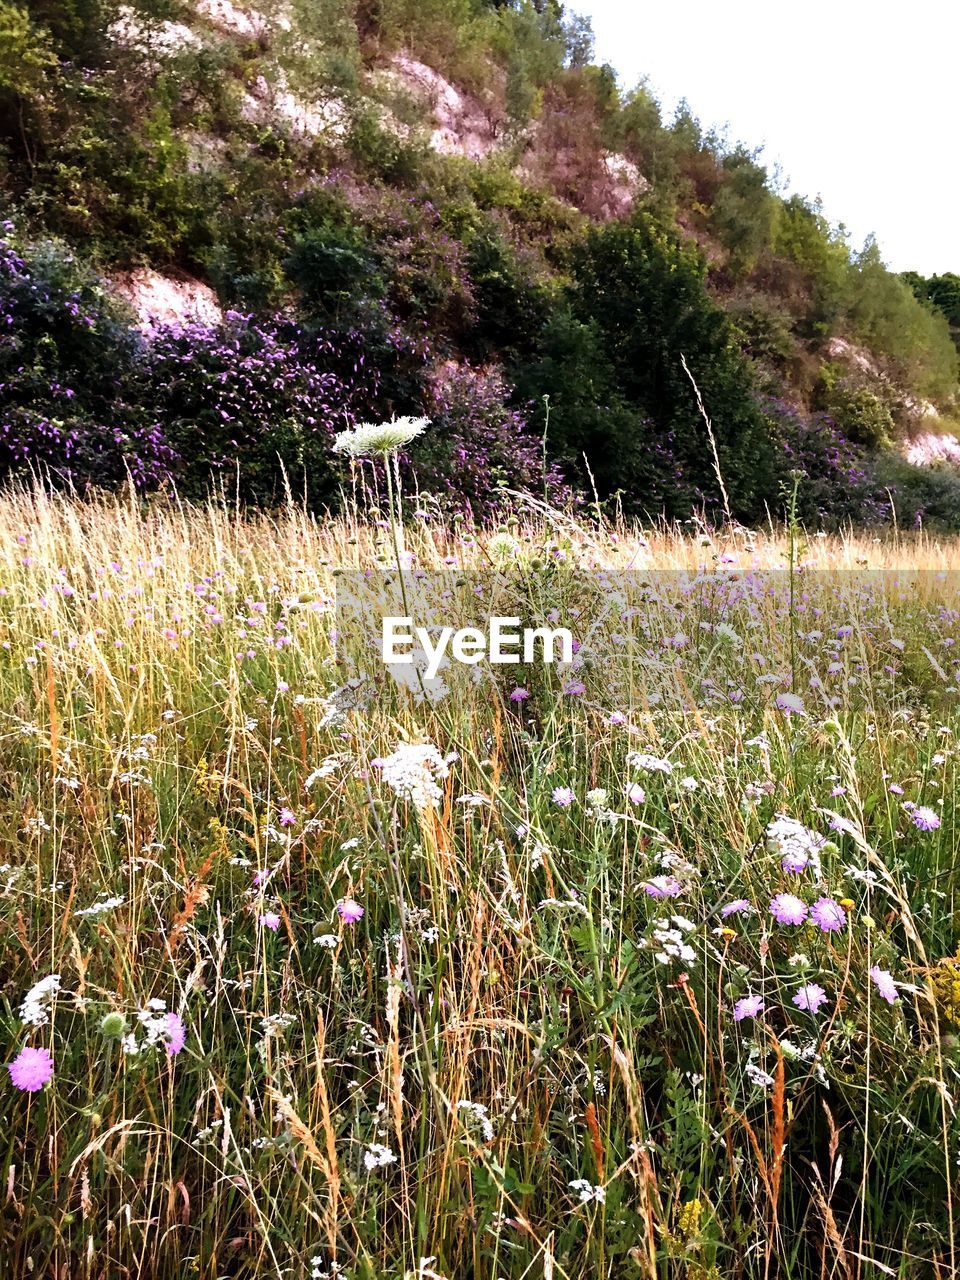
(413, 771)
(379, 438)
(35, 1010)
(378, 1156)
(587, 1191)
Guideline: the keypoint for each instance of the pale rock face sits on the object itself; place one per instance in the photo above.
(461, 125)
(841, 349)
(927, 450)
(228, 17)
(160, 39)
(309, 119)
(625, 184)
(165, 300)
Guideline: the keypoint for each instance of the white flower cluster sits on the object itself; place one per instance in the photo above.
(326, 768)
(797, 846)
(652, 764)
(587, 1191)
(153, 1020)
(101, 908)
(379, 438)
(480, 1115)
(377, 1156)
(413, 770)
(668, 938)
(35, 1010)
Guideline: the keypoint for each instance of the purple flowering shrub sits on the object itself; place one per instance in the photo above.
(478, 448)
(66, 354)
(91, 401)
(839, 483)
(248, 394)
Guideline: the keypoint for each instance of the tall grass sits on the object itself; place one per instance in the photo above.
(523, 1060)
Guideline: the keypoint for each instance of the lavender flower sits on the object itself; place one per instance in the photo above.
(786, 908)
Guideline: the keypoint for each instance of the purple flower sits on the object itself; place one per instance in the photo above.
(748, 1007)
(786, 908)
(810, 997)
(270, 920)
(790, 703)
(739, 907)
(573, 688)
(828, 914)
(663, 887)
(519, 694)
(349, 910)
(636, 793)
(175, 1033)
(31, 1069)
(925, 819)
(883, 980)
(287, 817)
(563, 796)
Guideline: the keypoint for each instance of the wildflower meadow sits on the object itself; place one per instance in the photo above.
(638, 964)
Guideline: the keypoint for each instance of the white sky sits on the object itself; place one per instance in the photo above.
(857, 102)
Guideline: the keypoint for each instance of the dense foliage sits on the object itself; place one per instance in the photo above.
(286, 159)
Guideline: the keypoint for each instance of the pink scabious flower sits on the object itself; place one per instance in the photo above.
(616, 718)
(925, 818)
(519, 694)
(287, 817)
(349, 911)
(895, 789)
(270, 920)
(810, 997)
(828, 914)
(636, 793)
(739, 907)
(748, 1007)
(790, 703)
(786, 908)
(883, 980)
(175, 1034)
(31, 1069)
(563, 796)
(574, 688)
(663, 887)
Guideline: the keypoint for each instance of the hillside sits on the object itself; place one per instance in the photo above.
(231, 232)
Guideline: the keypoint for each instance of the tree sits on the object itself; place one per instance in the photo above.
(612, 366)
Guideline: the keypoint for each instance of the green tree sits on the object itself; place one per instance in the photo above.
(617, 385)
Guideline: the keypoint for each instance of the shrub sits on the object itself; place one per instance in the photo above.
(511, 303)
(91, 400)
(922, 496)
(478, 449)
(839, 484)
(744, 211)
(67, 358)
(861, 408)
